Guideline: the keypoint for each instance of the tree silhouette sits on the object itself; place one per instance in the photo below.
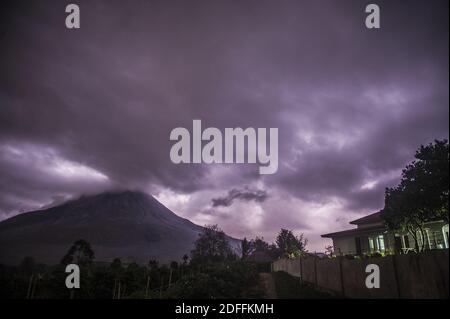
(79, 253)
(246, 248)
(422, 194)
(289, 245)
(153, 264)
(211, 246)
(185, 259)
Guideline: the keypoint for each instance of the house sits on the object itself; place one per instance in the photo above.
(371, 235)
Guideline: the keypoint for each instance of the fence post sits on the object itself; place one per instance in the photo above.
(341, 276)
(315, 270)
(30, 284)
(147, 286)
(301, 270)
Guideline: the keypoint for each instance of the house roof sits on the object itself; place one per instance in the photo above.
(355, 232)
(369, 219)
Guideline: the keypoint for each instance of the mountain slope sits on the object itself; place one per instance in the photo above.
(130, 225)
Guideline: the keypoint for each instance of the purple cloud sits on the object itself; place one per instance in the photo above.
(89, 110)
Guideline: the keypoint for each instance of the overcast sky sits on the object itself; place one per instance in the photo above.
(89, 110)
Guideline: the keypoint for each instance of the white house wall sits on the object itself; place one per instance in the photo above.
(344, 245)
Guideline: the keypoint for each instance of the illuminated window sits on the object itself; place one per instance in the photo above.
(371, 245)
(381, 242)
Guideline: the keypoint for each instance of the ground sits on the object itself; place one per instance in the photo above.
(268, 285)
(280, 285)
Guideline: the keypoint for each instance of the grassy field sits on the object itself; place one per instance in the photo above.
(289, 287)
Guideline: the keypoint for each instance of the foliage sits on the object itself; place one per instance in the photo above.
(288, 287)
(212, 272)
(185, 259)
(422, 194)
(329, 250)
(258, 244)
(376, 254)
(218, 280)
(80, 253)
(246, 248)
(289, 245)
(211, 246)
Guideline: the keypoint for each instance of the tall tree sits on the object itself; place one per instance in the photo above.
(246, 248)
(185, 259)
(422, 194)
(289, 245)
(211, 246)
(79, 253)
(257, 244)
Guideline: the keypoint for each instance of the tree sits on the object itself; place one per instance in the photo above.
(246, 247)
(27, 265)
(422, 194)
(153, 264)
(260, 245)
(80, 253)
(329, 250)
(289, 245)
(185, 259)
(428, 177)
(401, 214)
(211, 246)
(116, 265)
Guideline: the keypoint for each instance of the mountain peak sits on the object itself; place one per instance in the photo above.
(122, 195)
(129, 224)
(119, 224)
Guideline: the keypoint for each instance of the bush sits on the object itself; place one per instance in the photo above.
(232, 280)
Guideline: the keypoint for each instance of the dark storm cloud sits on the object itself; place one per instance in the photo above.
(351, 104)
(245, 194)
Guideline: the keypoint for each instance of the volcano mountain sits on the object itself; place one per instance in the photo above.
(133, 226)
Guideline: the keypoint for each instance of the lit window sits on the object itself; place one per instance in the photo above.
(371, 246)
(381, 242)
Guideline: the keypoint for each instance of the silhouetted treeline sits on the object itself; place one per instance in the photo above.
(213, 271)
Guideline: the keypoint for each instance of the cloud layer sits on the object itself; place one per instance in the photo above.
(89, 110)
(245, 194)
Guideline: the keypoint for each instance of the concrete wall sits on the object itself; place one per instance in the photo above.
(429, 271)
(328, 271)
(354, 278)
(424, 275)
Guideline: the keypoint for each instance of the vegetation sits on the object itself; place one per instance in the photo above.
(422, 194)
(230, 279)
(258, 244)
(80, 253)
(289, 245)
(213, 270)
(212, 246)
(289, 287)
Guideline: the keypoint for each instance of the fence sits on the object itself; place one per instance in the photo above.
(410, 276)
